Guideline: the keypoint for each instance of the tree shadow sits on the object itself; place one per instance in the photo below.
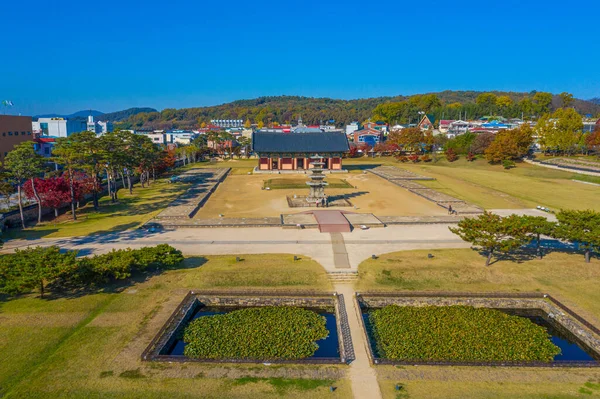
(348, 196)
(361, 167)
(520, 255)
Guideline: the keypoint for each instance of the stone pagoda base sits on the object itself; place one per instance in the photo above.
(299, 201)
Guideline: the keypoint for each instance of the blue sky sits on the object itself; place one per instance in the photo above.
(64, 56)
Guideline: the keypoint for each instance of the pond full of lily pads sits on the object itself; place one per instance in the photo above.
(327, 347)
(433, 334)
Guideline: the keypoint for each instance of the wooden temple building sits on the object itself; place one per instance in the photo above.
(293, 151)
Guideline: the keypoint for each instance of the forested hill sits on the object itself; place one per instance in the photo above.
(287, 109)
(123, 115)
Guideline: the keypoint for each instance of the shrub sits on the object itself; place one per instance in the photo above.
(255, 333)
(471, 157)
(402, 158)
(120, 264)
(451, 155)
(425, 158)
(458, 333)
(414, 158)
(508, 164)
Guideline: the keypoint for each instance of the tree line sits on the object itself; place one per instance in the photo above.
(37, 268)
(495, 234)
(398, 109)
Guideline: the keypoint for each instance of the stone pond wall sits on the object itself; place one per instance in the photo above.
(182, 314)
(587, 334)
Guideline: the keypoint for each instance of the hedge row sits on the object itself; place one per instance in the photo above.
(265, 333)
(458, 333)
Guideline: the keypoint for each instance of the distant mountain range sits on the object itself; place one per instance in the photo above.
(595, 100)
(111, 116)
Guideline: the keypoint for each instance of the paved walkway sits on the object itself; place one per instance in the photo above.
(360, 244)
(340, 255)
(563, 168)
(362, 375)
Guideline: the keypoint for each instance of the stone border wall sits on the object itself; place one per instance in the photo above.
(443, 200)
(187, 204)
(587, 334)
(184, 311)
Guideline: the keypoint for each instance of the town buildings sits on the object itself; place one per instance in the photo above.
(98, 127)
(14, 130)
(225, 123)
(59, 127)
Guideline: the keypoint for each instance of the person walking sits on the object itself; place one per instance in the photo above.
(450, 210)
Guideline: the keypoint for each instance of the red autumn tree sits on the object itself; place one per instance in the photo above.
(53, 192)
(593, 140)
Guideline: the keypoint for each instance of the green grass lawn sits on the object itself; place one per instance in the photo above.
(563, 275)
(300, 182)
(89, 346)
(491, 186)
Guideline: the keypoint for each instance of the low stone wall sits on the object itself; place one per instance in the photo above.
(187, 204)
(393, 173)
(405, 179)
(183, 313)
(586, 334)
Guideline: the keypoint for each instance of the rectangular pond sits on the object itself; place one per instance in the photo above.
(335, 348)
(328, 347)
(573, 350)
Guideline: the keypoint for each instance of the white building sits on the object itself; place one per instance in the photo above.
(351, 128)
(228, 122)
(98, 127)
(58, 127)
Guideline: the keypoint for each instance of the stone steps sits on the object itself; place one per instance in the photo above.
(345, 276)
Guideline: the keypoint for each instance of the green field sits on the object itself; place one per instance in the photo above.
(493, 187)
(89, 346)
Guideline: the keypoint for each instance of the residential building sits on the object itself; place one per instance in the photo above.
(14, 130)
(589, 125)
(352, 127)
(44, 145)
(183, 137)
(223, 123)
(369, 137)
(98, 127)
(427, 122)
(277, 129)
(59, 127)
(445, 125)
(379, 126)
(460, 127)
(294, 151)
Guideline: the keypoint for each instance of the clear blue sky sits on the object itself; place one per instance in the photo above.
(64, 56)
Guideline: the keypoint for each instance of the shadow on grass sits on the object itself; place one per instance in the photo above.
(529, 251)
(27, 234)
(347, 196)
(366, 166)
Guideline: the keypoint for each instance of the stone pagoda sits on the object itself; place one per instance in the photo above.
(316, 183)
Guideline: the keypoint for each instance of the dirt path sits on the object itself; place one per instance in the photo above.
(362, 376)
